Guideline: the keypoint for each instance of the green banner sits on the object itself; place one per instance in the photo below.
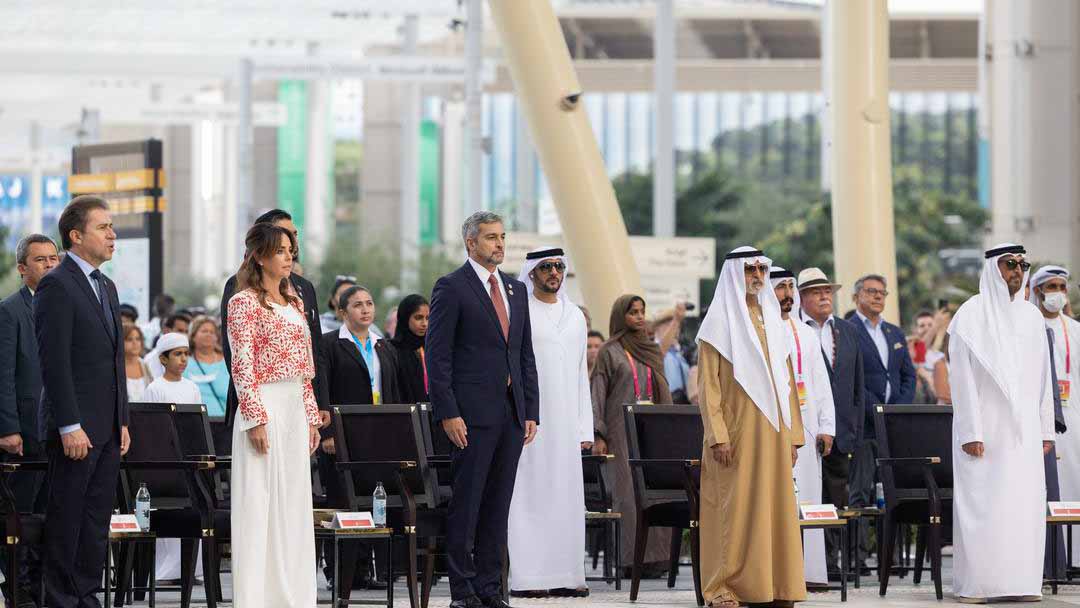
(292, 147)
(430, 170)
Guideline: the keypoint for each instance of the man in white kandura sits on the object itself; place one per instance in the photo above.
(1003, 423)
(547, 512)
(1050, 292)
(818, 414)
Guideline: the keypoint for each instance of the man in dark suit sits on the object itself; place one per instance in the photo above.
(306, 291)
(888, 377)
(83, 411)
(843, 358)
(20, 389)
(484, 390)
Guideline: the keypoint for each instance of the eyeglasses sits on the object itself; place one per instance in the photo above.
(761, 268)
(345, 277)
(549, 266)
(873, 293)
(1012, 264)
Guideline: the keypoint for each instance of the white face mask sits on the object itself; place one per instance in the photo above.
(1055, 302)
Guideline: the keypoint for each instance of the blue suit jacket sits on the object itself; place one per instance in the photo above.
(900, 372)
(467, 357)
(82, 356)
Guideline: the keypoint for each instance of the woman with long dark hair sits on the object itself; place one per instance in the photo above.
(408, 341)
(629, 369)
(276, 430)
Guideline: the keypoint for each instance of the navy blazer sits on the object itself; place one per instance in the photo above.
(900, 373)
(846, 377)
(469, 360)
(82, 356)
(20, 374)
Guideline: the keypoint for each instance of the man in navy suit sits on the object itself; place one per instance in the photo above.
(888, 377)
(83, 414)
(20, 389)
(484, 390)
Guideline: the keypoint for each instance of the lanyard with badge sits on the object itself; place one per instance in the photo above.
(800, 384)
(1064, 386)
(637, 386)
(367, 352)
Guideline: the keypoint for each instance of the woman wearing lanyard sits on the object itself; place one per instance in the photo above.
(408, 343)
(360, 369)
(629, 369)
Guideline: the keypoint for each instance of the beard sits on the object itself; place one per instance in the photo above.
(544, 287)
(787, 304)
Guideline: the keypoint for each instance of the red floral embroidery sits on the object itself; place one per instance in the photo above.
(267, 348)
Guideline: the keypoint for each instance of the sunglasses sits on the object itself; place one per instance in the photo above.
(1012, 264)
(549, 266)
(762, 268)
(345, 277)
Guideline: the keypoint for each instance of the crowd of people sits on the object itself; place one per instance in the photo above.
(786, 389)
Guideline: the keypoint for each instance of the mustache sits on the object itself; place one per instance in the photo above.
(787, 302)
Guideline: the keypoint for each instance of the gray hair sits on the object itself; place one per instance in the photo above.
(22, 250)
(870, 277)
(471, 227)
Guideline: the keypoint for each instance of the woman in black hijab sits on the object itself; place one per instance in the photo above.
(412, 322)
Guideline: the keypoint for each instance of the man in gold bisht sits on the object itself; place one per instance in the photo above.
(751, 551)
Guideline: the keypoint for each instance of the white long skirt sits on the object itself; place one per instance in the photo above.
(273, 537)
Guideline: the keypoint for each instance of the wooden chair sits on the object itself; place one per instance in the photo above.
(387, 443)
(915, 460)
(663, 441)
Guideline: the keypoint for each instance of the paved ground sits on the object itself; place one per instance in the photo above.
(902, 594)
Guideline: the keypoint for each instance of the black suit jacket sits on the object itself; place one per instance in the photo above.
(311, 314)
(900, 373)
(20, 374)
(846, 377)
(81, 355)
(348, 380)
(468, 358)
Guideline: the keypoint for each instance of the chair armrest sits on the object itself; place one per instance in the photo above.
(25, 465)
(384, 464)
(918, 461)
(598, 459)
(681, 462)
(167, 465)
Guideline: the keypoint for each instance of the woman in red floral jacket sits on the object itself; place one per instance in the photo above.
(273, 547)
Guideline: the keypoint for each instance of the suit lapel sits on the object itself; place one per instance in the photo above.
(27, 300)
(485, 297)
(354, 350)
(864, 334)
(84, 283)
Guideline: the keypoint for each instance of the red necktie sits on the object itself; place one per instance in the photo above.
(500, 307)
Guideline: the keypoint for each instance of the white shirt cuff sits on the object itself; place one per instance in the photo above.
(71, 428)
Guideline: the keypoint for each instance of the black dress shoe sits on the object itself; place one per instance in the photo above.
(470, 602)
(568, 592)
(530, 594)
(494, 602)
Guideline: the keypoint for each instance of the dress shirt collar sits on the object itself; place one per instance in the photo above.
(870, 325)
(813, 323)
(344, 334)
(84, 266)
(483, 273)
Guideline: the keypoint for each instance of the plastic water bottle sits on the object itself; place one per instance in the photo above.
(378, 505)
(795, 482)
(879, 496)
(142, 508)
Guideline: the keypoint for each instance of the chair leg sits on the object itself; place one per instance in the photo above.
(124, 573)
(189, 551)
(695, 563)
(920, 555)
(13, 569)
(673, 559)
(210, 570)
(935, 557)
(886, 547)
(429, 572)
(595, 536)
(641, 539)
(412, 575)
